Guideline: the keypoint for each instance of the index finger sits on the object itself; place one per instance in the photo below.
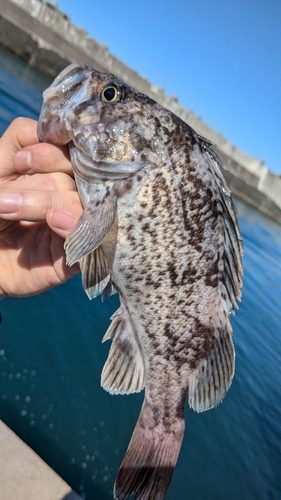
(21, 133)
(43, 158)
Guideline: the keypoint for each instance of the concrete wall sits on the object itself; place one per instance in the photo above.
(46, 37)
(24, 475)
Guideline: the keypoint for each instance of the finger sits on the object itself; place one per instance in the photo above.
(34, 205)
(21, 133)
(41, 182)
(43, 158)
(61, 222)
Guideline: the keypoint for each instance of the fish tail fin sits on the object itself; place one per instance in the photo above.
(149, 462)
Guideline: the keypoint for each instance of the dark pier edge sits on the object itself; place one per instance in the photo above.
(45, 37)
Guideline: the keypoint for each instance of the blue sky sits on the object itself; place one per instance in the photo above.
(221, 58)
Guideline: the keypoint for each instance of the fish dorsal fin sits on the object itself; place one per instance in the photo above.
(212, 375)
(233, 247)
(123, 372)
(210, 381)
(95, 272)
(92, 227)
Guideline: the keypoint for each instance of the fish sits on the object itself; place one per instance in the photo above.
(159, 228)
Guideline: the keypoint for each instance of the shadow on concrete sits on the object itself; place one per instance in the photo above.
(74, 496)
(71, 496)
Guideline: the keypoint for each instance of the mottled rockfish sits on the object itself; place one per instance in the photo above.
(160, 228)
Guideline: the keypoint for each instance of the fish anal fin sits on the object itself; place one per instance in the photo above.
(211, 379)
(149, 462)
(116, 319)
(123, 372)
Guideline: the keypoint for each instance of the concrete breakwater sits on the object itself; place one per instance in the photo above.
(24, 475)
(37, 31)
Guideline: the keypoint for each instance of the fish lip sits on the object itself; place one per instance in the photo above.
(66, 71)
(66, 85)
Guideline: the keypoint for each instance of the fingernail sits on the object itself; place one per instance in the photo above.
(63, 220)
(23, 160)
(10, 202)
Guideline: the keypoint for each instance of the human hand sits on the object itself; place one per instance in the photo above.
(39, 205)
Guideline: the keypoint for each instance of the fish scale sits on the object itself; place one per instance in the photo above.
(160, 228)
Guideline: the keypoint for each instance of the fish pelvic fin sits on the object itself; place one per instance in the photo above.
(95, 272)
(211, 379)
(92, 227)
(149, 462)
(108, 290)
(123, 372)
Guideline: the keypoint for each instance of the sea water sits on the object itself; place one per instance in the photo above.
(51, 359)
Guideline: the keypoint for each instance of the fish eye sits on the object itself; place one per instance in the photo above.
(111, 93)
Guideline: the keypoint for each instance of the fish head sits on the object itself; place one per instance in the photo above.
(107, 121)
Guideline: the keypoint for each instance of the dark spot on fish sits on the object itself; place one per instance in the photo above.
(131, 288)
(173, 274)
(167, 330)
(145, 227)
(179, 410)
(128, 276)
(138, 278)
(125, 347)
(131, 237)
(150, 282)
(143, 157)
(152, 214)
(189, 274)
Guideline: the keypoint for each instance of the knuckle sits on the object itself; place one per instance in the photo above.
(21, 122)
(63, 182)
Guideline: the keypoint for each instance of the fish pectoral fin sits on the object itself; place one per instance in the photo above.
(212, 378)
(123, 372)
(92, 227)
(95, 273)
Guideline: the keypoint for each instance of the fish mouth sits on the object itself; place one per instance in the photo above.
(70, 87)
(68, 82)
